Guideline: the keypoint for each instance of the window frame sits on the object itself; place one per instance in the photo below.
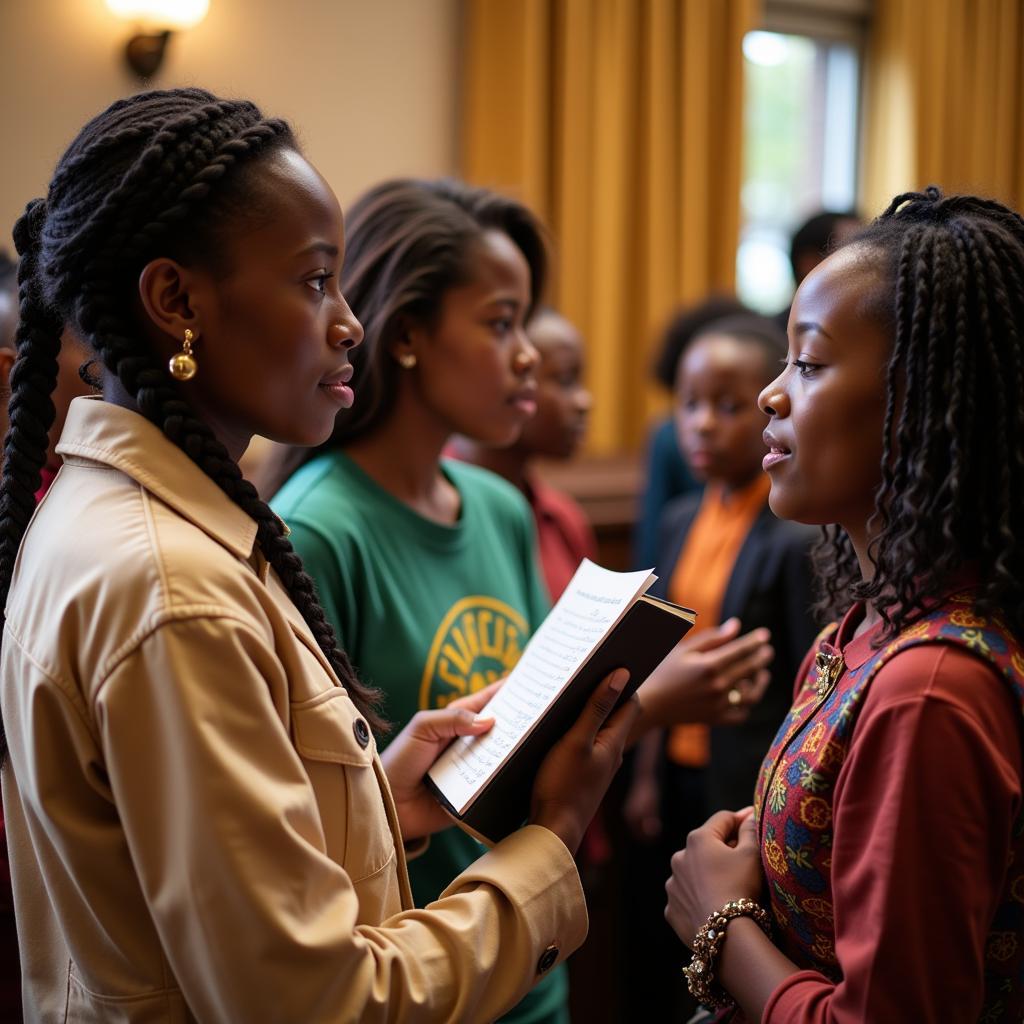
(846, 22)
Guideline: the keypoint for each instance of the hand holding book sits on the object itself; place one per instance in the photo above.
(603, 621)
(575, 775)
(410, 754)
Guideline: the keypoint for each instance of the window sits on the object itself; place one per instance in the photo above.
(801, 118)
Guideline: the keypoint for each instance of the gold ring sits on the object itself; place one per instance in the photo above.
(735, 696)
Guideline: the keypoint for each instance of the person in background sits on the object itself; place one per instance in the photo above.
(731, 558)
(813, 241)
(73, 356)
(666, 475)
(885, 845)
(724, 553)
(555, 431)
(8, 310)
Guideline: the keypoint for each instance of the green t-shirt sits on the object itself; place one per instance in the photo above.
(427, 613)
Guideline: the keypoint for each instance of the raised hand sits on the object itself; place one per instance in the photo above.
(715, 676)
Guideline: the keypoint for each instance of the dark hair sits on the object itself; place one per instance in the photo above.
(761, 331)
(815, 236)
(407, 242)
(952, 485)
(159, 173)
(681, 329)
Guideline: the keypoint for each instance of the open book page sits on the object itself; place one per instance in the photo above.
(591, 605)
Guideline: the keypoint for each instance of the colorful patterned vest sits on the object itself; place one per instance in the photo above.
(794, 796)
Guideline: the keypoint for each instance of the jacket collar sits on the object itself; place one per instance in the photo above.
(98, 431)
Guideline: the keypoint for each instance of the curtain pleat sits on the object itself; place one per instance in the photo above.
(945, 99)
(620, 123)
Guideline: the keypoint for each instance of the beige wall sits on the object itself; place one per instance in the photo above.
(370, 85)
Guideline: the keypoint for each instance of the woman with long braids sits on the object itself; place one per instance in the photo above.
(200, 827)
(886, 842)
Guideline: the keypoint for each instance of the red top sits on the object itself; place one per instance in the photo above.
(564, 537)
(929, 790)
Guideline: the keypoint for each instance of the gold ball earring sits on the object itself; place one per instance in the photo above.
(407, 360)
(183, 364)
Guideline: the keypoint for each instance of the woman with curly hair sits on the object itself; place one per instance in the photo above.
(887, 837)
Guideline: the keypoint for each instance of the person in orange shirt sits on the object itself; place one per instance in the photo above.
(724, 554)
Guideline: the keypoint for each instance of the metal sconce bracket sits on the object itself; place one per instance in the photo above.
(145, 53)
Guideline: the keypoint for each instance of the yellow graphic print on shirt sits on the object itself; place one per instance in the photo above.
(478, 641)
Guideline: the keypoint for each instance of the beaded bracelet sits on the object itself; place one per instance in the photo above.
(707, 943)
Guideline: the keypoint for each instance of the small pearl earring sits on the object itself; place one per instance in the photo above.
(407, 360)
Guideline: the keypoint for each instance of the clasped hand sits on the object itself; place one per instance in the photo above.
(721, 862)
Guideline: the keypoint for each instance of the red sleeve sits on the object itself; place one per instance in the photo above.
(564, 537)
(924, 807)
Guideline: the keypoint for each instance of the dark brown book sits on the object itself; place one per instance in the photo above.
(603, 621)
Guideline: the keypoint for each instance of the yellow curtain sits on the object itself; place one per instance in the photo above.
(945, 99)
(620, 123)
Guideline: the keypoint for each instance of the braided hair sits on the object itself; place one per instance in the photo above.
(952, 485)
(159, 173)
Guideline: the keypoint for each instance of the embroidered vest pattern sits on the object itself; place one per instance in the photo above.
(794, 798)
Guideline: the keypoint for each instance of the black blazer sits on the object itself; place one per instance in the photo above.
(770, 586)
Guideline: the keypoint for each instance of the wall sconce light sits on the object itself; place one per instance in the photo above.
(154, 21)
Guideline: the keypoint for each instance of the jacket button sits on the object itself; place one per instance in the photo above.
(547, 959)
(362, 731)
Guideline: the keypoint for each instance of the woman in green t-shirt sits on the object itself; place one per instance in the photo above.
(427, 567)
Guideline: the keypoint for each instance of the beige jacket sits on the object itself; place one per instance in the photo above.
(199, 826)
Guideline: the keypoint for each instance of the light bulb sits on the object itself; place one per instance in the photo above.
(161, 14)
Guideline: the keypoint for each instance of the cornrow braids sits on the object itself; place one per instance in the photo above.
(158, 173)
(953, 465)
